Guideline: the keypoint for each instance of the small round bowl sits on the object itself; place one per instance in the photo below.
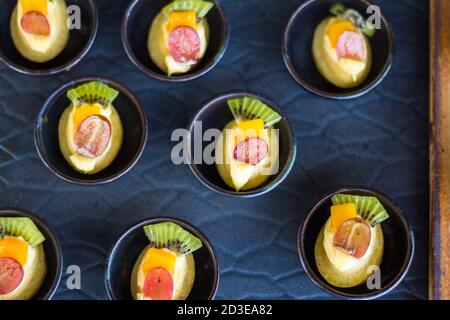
(297, 47)
(80, 41)
(216, 115)
(127, 249)
(135, 27)
(52, 251)
(398, 246)
(135, 131)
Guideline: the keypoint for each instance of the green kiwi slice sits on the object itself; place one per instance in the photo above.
(355, 17)
(21, 227)
(369, 208)
(248, 108)
(199, 6)
(93, 92)
(173, 237)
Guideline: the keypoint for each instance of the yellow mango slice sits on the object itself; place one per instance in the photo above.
(341, 213)
(159, 258)
(256, 124)
(84, 111)
(251, 128)
(34, 5)
(337, 29)
(15, 248)
(182, 18)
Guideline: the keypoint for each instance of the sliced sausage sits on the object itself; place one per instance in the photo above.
(35, 23)
(158, 284)
(251, 150)
(92, 136)
(350, 45)
(184, 45)
(353, 237)
(11, 275)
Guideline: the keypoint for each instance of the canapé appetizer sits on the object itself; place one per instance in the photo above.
(351, 241)
(179, 36)
(341, 48)
(90, 130)
(39, 29)
(165, 270)
(22, 259)
(247, 150)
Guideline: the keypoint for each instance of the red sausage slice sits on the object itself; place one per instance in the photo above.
(184, 45)
(36, 23)
(353, 237)
(252, 150)
(92, 136)
(11, 275)
(158, 284)
(351, 46)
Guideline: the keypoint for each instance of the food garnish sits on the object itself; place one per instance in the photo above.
(354, 17)
(171, 236)
(352, 218)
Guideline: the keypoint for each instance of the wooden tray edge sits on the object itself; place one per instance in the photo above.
(439, 268)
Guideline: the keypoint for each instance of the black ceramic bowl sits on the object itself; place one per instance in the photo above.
(135, 130)
(127, 249)
(216, 115)
(78, 46)
(52, 250)
(297, 49)
(398, 246)
(135, 27)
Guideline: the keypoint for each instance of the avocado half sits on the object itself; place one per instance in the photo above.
(60, 38)
(354, 277)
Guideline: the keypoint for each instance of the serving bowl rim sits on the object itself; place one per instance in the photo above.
(191, 75)
(60, 91)
(352, 92)
(53, 240)
(266, 187)
(65, 66)
(394, 209)
(159, 219)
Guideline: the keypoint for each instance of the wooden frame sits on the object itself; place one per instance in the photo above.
(439, 278)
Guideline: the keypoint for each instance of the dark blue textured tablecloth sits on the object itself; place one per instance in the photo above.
(379, 140)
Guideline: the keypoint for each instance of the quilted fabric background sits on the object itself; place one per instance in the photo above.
(379, 140)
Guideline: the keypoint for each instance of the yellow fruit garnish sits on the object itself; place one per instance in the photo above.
(256, 125)
(12, 247)
(159, 258)
(341, 213)
(182, 18)
(34, 5)
(84, 111)
(249, 129)
(337, 29)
